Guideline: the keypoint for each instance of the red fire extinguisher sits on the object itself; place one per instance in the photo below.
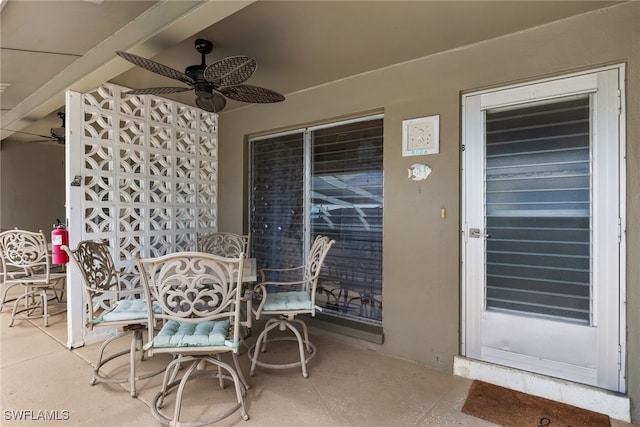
(59, 237)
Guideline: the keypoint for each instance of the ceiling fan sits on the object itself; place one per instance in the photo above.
(57, 134)
(211, 83)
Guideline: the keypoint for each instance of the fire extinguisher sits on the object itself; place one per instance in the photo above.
(59, 237)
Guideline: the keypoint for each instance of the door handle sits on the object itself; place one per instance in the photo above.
(476, 233)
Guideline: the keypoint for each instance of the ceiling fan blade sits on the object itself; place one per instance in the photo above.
(253, 94)
(155, 67)
(212, 105)
(33, 134)
(156, 90)
(60, 141)
(230, 71)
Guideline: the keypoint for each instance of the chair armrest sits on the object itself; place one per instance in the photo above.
(262, 276)
(292, 283)
(123, 292)
(15, 274)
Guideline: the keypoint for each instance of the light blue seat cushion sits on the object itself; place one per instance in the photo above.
(205, 334)
(125, 310)
(292, 300)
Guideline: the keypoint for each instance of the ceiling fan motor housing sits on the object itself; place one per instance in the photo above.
(57, 132)
(202, 87)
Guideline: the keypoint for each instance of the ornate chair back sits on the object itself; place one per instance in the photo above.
(25, 261)
(100, 278)
(224, 244)
(110, 303)
(198, 299)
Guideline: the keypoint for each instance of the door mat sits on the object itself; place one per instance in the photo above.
(512, 408)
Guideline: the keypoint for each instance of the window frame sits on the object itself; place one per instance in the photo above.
(307, 141)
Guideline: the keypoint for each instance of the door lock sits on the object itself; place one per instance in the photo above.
(476, 233)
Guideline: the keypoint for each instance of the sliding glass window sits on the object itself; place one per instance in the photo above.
(324, 180)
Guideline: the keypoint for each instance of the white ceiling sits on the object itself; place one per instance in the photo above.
(51, 46)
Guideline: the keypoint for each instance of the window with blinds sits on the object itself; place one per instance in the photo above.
(277, 201)
(538, 210)
(326, 180)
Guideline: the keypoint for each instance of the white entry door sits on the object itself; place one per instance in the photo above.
(542, 227)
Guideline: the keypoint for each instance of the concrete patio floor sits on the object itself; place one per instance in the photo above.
(348, 386)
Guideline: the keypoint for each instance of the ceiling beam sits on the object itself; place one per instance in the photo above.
(160, 27)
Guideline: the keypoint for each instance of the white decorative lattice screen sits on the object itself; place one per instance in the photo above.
(148, 169)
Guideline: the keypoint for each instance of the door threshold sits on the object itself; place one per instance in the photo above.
(595, 399)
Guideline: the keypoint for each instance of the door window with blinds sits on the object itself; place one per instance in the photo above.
(542, 222)
(538, 198)
(324, 180)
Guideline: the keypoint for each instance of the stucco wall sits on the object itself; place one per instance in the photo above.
(422, 250)
(32, 188)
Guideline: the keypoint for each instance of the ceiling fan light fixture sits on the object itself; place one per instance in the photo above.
(214, 104)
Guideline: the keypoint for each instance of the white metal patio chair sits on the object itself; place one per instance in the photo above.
(229, 244)
(109, 303)
(286, 300)
(198, 296)
(26, 262)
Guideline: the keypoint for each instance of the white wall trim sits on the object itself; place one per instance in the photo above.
(608, 348)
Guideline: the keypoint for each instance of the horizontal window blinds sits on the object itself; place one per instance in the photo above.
(339, 193)
(538, 198)
(347, 205)
(276, 202)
